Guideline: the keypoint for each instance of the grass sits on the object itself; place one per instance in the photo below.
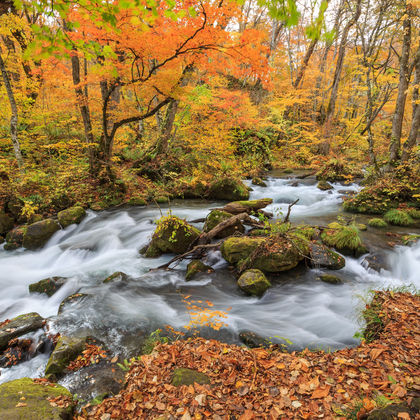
(342, 237)
(398, 218)
(414, 213)
(377, 222)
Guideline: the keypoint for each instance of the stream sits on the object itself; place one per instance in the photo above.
(298, 307)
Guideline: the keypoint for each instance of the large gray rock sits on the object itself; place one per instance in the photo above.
(19, 326)
(37, 234)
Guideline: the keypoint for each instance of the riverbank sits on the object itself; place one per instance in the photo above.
(267, 383)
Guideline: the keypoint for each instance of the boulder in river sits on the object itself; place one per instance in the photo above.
(324, 185)
(321, 256)
(228, 189)
(48, 286)
(71, 215)
(19, 326)
(6, 223)
(37, 234)
(14, 239)
(195, 267)
(173, 235)
(330, 278)
(247, 206)
(115, 277)
(217, 216)
(253, 282)
(259, 182)
(75, 297)
(24, 399)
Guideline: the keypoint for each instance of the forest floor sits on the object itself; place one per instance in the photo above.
(263, 383)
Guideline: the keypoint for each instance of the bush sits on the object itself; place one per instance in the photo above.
(377, 222)
(398, 218)
(414, 213)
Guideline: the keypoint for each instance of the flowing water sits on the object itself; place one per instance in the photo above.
(298, 307)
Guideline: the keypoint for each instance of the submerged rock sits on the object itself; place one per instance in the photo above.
(37, 234)
(228, 189)
(184, 376)
(195, 267)
(218, 216)
(330, 278)
(19, 326)
(321, 256)
(48, 286)
(253, 282)
(24, 399)
(71, 215)
(115, 277)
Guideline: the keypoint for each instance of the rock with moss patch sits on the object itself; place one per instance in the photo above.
(237, 249)
(37, 234)
(137, 201)
(72, 299)
(398, 218)
(116, 277)
(228, 189)
(6, 223)
(173, 235)
(324, 185)
(259, 182)
(253, 282)
(330, 278)
(218, 216)
(48, 286)
(253, 340)
(19, 326)
(162, 199)
(25, 399)
(66, 350)
(195, 267)
(184, 376)
(321, 256)
(14, 239)
(247, 206)
(377, 223)
(71, 215)
(344, 238)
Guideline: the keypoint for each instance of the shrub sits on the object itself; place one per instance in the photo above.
(414, 213)
(377, 222)
(398, 218)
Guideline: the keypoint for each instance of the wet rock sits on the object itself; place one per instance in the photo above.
(394, 411)
(376, 262)
(66, 350)
(330, 278)
(228, 189)
(14, 239)
(71, 215)
(17, 351)
(237, 249)
(253, 340)
(253, 282)
(183, 376)
(195, 267)
(37, 234)
(173, 235)
(137, 201)
(162, 199)
(24, 399)
(294, 184)
(116, 277)
(19, 326)
(259, 182)
(247, 206)
(48, 286)
(321, 256)
(217, 216)
(6, 223)
(74, 298)
(324, 186)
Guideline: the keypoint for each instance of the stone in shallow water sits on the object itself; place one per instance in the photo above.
(330, 278)
(48, 286)
(37, 234)
(253, 282)
(321, 256)
(195, 267)
(71, 215)
(118, 276)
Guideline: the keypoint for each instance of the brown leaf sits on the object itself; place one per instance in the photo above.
(374, 353)
(321, 392)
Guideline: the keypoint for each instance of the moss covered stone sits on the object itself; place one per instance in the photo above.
(259, 182)
(195, 267)
(173, 235)
(237, 249)
(398, 218)
(377, 222)
(184, 376)
(14, 239)
(344, 238)
(66, 350)
(162, 199)
(321, 256)
(71, 215)
(6, 223)
(19, 326)
(247, 206)
(253, 282)
(217, 216)
(37, 234)
(324, 185)
(34, 401)
(48, 286)
(118, 276)
(228, 189)
(137, 201)
(330, 278)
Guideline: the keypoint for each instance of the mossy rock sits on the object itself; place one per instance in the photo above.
(259, 182)
(71, 215)
(361, 226)
(345, 239)
(253, 340)
(37, 234)
(392, 411)
(306, 231)
(184, 376)
(330, 278)
(24, 399)
(162, 199)
(368, 201)
(75, 297)
(377, 222)
(115, 277)
(173, 235)
(321, 256)
(19, 326)
(324, 185)
(66, 350)
(217, 216)
(288, 171)
(237, 249)
(14, 239)
(6, 223)
(228, 189)
(195, 267)
(48, 286)
(253, 282)
(398, 218)
(137, 201)
(259, 232)
(247, 206)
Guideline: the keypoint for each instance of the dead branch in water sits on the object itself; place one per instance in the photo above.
(286, 219)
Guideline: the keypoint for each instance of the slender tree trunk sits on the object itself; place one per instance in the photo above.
(167, 125)
(397, 120)
(14, 118)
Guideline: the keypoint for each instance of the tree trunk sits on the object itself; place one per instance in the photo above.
(167, 125)
(397, 120)
(14, 118)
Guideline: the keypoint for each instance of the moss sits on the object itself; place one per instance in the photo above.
(372, 315)
(71, 299)
(346, 239)
(162, 199)
(259, 182)
(118, 276)
(137, 201)
(37, 234)
(48, 286)
(324, 185)
(183, 376)
(71, 215)
(305, 231)
(414, 213)
(253, 282)
(330, 278)
(398, 218)
(247, 206)
(217, 216)
(288, 171)
(228, 189)
(36, 405)
(195, 267)
(369, 202)
(377, 222)
(362, 227)
(410, 239)
(236, 249)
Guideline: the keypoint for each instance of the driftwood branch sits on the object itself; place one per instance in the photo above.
(286, 219)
